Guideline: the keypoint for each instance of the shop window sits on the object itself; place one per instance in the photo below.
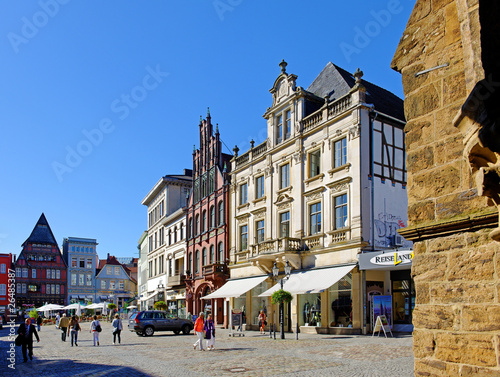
(341, 302)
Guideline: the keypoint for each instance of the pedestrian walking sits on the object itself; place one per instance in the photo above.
(26, 330)
(117, 328)
(198, 329)
(73, 329)
(58, 318)
(38, 322)
(63, 325)
(95, 329)
(210, 332)
(262, 321)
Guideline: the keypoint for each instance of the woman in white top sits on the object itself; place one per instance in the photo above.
(94, 325)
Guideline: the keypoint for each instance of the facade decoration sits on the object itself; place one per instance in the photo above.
(41, 272)
(207, 211)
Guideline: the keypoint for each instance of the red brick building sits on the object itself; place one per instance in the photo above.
(207, 219)
(40, 269)
(5, 266)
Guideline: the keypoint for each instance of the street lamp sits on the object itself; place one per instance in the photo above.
(276, 272)
(160, 288)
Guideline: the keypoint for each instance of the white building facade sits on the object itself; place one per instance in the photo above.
(328, 184)
(166, 228)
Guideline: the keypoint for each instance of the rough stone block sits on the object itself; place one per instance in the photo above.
(452, 25)
(423, 343)
(454, 88)
(437, 317)
(431, 367)
(449, 149)
(420, 159)
(423, 101)
(469, 371)
(460, 204)
(429, 267)
(418, 212)
(459, 292)
(422, 293)
(435, 183)
(471, 265)
(466, 348)
(436, 245)
(481, 317)
(443, 122)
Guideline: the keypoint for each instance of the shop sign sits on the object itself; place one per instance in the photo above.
(393, 259)
(385, 260)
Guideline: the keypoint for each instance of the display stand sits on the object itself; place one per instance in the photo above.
(236, 321)
(382, 324)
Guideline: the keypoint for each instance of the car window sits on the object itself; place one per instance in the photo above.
(147, 315)
(159, 316)
(171, 316)
(133, 316)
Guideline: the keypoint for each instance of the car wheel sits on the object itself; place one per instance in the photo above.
(149, 331)
(186, 329)
(177, 332)
(139, 333)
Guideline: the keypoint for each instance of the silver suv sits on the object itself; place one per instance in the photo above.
(149, 321)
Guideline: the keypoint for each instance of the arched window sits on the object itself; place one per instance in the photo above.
(197, 262)
(204, 256)
(221, 212)
(182, 231)
(204, 221)
(190, 265)
(175, 234)
(221, 252)
(212, 254)
(169, 237)
(212, 217)
(190, 228)
(197, 225)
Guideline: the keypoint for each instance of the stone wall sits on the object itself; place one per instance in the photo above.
(456, 267)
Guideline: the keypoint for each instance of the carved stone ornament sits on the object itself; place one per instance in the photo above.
(340, 185)
(285, 205)
(314, 194)
(475, 122)
(354, 132)
(297, 157)
(259, 213)
(243, 219)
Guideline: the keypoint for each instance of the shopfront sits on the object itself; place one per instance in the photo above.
(176, 302)
(388, 279)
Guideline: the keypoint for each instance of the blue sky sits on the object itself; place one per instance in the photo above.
(101, 99)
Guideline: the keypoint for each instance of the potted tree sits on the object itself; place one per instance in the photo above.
(160, 305)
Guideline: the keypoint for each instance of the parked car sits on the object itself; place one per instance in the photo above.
(148, 321)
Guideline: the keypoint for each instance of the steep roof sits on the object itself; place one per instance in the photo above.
(41, 233)
(336, 82)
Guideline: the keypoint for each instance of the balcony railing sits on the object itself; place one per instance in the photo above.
(275, 246)
(214, 268)
(176, 280)
(339, 105)
(312, 120)
(314, 242)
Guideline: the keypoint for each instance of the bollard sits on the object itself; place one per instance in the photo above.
(297, 332)
(270, 332)
(274, 330)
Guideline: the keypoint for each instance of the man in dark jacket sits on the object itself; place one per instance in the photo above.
(27, 330)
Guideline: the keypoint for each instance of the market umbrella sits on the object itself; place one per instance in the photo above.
(48, 307)
(75, 306)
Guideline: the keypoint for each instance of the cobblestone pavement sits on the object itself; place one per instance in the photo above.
(165, 354)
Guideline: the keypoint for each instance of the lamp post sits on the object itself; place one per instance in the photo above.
(276, 272)
(161, 287)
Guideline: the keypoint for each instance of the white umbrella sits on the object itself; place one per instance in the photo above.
(75, 306)
(131, 307)
(48, 307)
(95, 306)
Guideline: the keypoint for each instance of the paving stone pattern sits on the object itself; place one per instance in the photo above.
(166, 354)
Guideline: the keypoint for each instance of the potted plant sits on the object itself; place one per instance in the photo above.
(160, 305)
(281, 296)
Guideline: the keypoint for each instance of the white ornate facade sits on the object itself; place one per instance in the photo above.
(310, 194)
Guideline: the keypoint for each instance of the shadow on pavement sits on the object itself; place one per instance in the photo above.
(71, 368)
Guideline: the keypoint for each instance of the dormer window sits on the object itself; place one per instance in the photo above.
(283, 130)
(288, 124)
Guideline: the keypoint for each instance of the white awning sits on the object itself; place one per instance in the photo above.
(311, 281)
(235, 288)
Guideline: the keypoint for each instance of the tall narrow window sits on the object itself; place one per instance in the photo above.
(197, 261)
(314, 163)
(204, 221)
(244, 237)
(221, 212)
(175, 234)
(33, 273)
(243, 193)
(221, 252)
(197, 225)
(315, 218)
(279, 129)
(285, 224)
(340, 153)
(212, 254)
(204, 256)
(288, 124)
(259, 187)
(190, 228)
(260, 231)
(284, 176)
(212, 217)
(341, 211)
